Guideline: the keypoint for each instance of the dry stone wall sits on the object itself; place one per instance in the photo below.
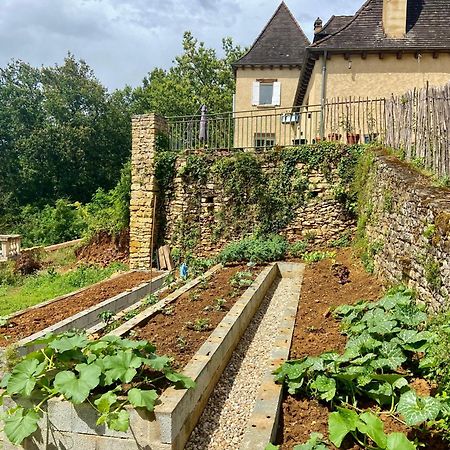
(194, 212)
(408, 222)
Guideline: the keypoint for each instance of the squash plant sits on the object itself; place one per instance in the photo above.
(109, 374)
(387, 340)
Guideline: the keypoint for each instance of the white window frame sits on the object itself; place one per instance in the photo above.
(276, 93)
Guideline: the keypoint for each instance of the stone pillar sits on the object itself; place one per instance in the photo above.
(145, 129)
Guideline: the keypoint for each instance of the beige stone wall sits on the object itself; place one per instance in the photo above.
(408, 223)
(251, 120)
(143, 187)
(374, 77)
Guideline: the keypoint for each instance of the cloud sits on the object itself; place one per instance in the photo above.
(122, 40)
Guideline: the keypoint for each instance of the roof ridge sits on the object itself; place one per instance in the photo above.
(357, 14)
(282, 4)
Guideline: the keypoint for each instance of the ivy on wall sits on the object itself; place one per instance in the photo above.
(260, 193)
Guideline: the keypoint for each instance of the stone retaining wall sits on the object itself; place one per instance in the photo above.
(191, 211)
(408, 223)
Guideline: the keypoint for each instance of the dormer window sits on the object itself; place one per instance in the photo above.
(266, 93)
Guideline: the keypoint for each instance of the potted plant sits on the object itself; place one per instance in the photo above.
(352, 137)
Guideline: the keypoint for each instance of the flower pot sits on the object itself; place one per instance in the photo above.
(353, 138)
(334, 137)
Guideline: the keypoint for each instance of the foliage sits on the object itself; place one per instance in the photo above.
(318, 256)
(31, 290)
(387, 346)
(364, 427)
(297, 249)
(433, 274)
(198, 77)
(82, 370)
(254, 249)
(62, 135)
(241, 279)
(201, 324)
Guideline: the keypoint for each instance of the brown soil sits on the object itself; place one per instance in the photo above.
(103, 249)
(316, 332)
(37, 319)
(171, 332)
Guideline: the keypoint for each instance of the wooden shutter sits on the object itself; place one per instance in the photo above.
(276, 96)
(255, 94)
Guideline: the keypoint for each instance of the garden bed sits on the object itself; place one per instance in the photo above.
(181, 327)
(25, 323)
(316, 332)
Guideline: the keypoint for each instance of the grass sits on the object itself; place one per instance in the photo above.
(49, 284)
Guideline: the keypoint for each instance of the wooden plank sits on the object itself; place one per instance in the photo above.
(168, 257)
(162, 259)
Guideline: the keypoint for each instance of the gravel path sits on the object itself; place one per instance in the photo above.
(224, 420)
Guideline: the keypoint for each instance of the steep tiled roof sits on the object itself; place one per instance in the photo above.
(281, 43)
(427, 28)
(332, 26)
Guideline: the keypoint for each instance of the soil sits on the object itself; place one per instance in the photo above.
(104, 248)
(316, 332)
(171, 332)
(35, 320)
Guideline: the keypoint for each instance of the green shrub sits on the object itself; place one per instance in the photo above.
(255, 249)
(297, 249)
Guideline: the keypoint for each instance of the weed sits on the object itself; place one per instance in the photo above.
(151, 299)
(194, 295)
(181, 343)
(388, 201)
(130, 315)
(106, 316)
(202, 324)
(241, 279)
(318, 256)
(168, 311)
(297, 249)
(218, 305)
(342, 241)
(429, 231)
(433, 274)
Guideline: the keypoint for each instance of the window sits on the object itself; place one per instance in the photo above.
(264, 140)
(266, 93)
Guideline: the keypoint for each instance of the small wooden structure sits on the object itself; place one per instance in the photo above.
(9, 246)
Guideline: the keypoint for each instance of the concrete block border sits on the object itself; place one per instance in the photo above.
(169, 427)
(90, 317)
(263, 422)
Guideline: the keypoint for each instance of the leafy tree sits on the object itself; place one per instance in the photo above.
(198, 77)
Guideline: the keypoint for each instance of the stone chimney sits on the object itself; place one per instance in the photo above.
(394, 18)
(318, 25)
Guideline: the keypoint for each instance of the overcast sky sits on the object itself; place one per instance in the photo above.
(122, 40)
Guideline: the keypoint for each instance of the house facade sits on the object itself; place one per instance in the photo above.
(387, 48)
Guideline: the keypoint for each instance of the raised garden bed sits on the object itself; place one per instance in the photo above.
(77, 310)
(174, 418)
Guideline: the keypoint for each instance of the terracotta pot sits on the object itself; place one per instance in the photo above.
(352, 138)
(334, 137)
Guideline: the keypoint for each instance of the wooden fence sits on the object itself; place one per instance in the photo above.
(418, 123)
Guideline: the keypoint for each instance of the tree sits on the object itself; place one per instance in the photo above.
(198, 77)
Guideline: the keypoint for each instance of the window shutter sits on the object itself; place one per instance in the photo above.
(276, 97)
(255, 95)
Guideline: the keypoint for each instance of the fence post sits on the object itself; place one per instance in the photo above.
(144, 189)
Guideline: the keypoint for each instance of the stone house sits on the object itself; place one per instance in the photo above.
(388, 47)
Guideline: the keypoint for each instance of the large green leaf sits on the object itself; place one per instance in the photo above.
(417, 410)
(372, 426)
(340, 423)
(157, 362)
(315, 442)
(325, 387)
(20, 424)
(119, 421)
(24, 377)
(105, 402)
(68, 342)
(77, 389)
(180, 380)
(121, 366)
(143, 399)
(398, 441)
(392, 356)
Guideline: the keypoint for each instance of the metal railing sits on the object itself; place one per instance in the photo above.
(347, 120)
